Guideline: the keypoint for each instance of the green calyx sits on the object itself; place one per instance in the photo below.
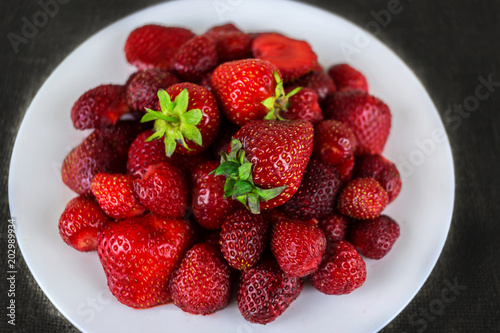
(174, 122)
(278, 103)
(239, 183)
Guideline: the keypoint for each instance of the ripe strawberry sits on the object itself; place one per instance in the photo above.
(100, 107)
(265, 292)
(316, 195)
(368, 117)
(335, 227)
(152, 46)
(383, 170)
(266, 162)
(374, 238)
(346, 169)
(243, 238)
(188, 120)
(223, 141)
(362, 198)
(139, 255)
(304, 105)
(202, 283)
(80, 221)
(121, 136)
(246, 89)
(195, 59)
(317, 80)
(163, 190)
(142, 89)
(293, 57)
(115, 195)
(341, 271)
(207, 193)
(334, 142)
(232, 43)
(95, 154)
(298, 246)
(347, 78)
(144, 153)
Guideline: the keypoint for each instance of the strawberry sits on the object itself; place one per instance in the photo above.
(195, 58)
(115, 195)
(317, 80)
(207, 193)
(144, 153)
(335, 227)
(138, 256)
(243, 238)
(362, 198)
(347, 78)
(188, 120)
(304, 105)
(100, 107)
(80, 221)
(346, 169)
(334, 142)
(368, 117)
(202, 282)
(267, 161)
(223, 141)
(153, 46)
(293, 57)
(232, 43)
(374, 238)
(95, 154)
(142, 89)
(265, 292)
(383, 170)
(341, 271)
(316, 195)
(298, 246)
(121, 136)
(163, 190)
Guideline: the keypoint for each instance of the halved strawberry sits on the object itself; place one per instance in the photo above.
(362, 198)
(142, 89)
(293, 57)
(194, 59)
(347, 78)
(100, 107)
(80, 221)
(152, 46)
(374, 238)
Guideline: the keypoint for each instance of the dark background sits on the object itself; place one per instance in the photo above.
(448, 44)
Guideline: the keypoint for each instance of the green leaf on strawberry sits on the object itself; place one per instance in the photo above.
(279, 101)
(175, 123)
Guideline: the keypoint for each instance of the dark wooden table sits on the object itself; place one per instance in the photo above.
(448, 44)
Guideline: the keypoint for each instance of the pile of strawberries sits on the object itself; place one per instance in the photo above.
(230, 162)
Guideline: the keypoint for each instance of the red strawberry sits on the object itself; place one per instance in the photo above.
(346, 169)
(115, 194)
(99, 107)
(243, 238)
(383, 170)
(139, 255)
(316, 195)
(298, 246)
(374, 238)
(368, 117)
(317, 80)
(188, 120)
(232, 43)
(95, 154)
(347, 78)
(304, 105)
(202, 283)
(362, 198)
(80, 221)
(142, 89)
(223, 141)
(341, 271)
(246, 89)
(207, 193)
(195, 59)
(334, 142)
(265, 292)
(335, 227)
(121, 136)
(144, 153)
(293, 57)
(267, 162)
(163, 190)
(152, 46)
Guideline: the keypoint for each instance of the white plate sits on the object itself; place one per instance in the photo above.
(75, 282)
